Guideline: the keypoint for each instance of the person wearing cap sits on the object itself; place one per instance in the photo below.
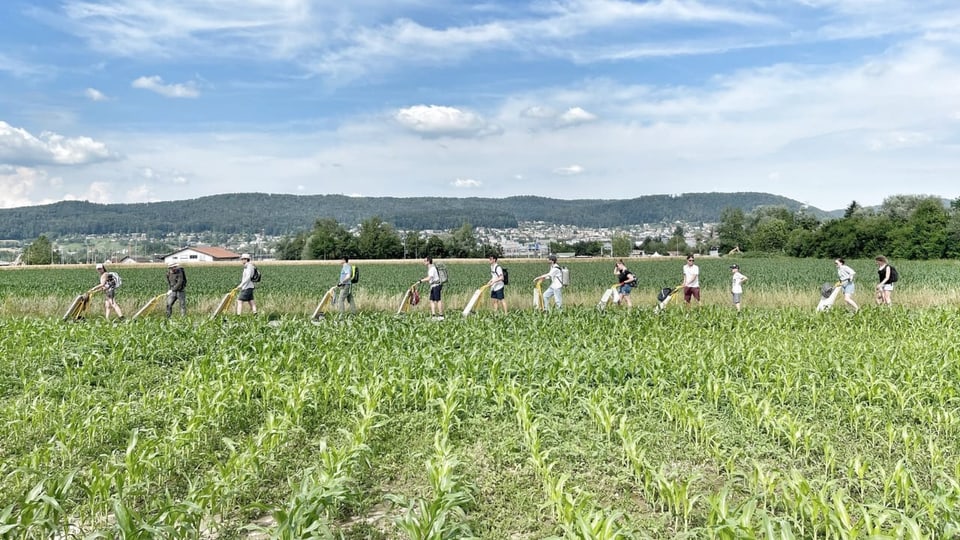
(246, 285)
(108, 284)
(556, 284)
(737, 288)
(177, 280)
(691, 281)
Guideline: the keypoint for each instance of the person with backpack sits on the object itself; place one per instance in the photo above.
(555, 275)
(846, 274)
(627, 280)
(248, 282)
(497, 281)
(345, 286)
(436, 288)
(109, 282)
(887, 275)
(177, 281)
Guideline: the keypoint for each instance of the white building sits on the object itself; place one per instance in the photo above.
(201, 254)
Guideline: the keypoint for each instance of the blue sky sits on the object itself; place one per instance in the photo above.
(823, 101)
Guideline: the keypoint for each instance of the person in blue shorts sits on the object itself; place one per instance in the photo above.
(496, 285)
(627, 280)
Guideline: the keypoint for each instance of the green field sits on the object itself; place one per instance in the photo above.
(779, 423)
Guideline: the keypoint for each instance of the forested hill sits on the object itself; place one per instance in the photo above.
(281, 214)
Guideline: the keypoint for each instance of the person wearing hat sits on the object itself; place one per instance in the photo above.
(556, 284)
(109, 281)
(246, 285)
(737, 288)
(177, 280)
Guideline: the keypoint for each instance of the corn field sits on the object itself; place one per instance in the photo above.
(582, 424)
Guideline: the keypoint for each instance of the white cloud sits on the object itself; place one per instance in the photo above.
(17, 185)
(575, 116)
(141, 193)
(177, 90)
(19, 147)
(897, 140)
(96, 192)
(570, 170)
(538, 112)
(94, 95)
(438, 121)
(466, 183)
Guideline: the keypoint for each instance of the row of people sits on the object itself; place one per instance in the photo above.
(627, 280)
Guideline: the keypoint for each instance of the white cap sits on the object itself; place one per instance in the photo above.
(99, 266)
(245, 256)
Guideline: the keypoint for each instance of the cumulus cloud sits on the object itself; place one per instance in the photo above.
(466, 183)
(155, 84)
(570, 170)
(94, 95)
(97, 192)
(574, 116)
(19, 147)
(17, 185)
(440, 121)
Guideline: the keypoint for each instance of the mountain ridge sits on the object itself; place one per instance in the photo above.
(284, 213)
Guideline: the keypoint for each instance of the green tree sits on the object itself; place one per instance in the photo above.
(436, 248)
(925, 234)
(621, 245)
(329, 240)
(414, 246)
(463, 243)
(40, 251)
(378, 240)
(731, 230)
(291, 248)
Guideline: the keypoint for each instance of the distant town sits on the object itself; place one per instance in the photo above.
(529, 239)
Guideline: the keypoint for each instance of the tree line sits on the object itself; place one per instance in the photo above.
(903, 227)
(377, 239)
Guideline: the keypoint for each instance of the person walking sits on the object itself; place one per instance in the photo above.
(887, 276)
(436, 288)
(496, 285)
(691, 281)
(345, 287)
(555, 291)
(627, 280)
(736, 289)
(247, 285)
(177, 282)
(109, 281)
(846, 274)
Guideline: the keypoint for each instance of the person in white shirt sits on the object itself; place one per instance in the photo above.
(691, 281)
(737, 288)
(496, 285)
(246, 285)
(846, 274)
(555, 291)
(436, 288)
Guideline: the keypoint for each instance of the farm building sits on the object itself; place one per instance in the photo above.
(201, 254)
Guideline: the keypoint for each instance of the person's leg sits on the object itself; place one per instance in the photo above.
(558, 298)
(171, 299)
(547, 295)
(182, 296)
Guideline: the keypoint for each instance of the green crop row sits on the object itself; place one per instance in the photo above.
(581, 424)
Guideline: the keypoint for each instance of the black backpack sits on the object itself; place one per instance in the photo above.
(256, 275)
(506, 276)
(355, 274)
(894, 275)
(664, 294)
